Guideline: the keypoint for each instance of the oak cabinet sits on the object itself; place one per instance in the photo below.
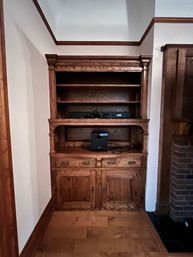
(75, 189)
(122, 189)
(98, 93)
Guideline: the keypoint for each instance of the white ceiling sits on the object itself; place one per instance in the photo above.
(98, 20)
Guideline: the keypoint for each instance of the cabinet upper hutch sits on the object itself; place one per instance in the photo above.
(98, 94)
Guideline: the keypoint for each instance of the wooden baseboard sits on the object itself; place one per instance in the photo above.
(38, 232)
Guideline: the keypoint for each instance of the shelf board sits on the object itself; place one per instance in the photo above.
(97, 102)
(99, 122)
(82, 151)
(99, 85)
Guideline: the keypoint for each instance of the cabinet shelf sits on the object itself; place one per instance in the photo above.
(79, 151)
(97, 102)
(99, 86)
(99, 122)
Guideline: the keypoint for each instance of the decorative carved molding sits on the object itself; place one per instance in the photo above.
(100, 63)
(189, 60)
(74, 163)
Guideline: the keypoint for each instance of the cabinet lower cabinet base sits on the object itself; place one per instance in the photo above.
(74, 206)
(110, 206)
(110, 188)
(121, 207)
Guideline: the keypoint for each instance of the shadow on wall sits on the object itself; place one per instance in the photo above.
(35, 77)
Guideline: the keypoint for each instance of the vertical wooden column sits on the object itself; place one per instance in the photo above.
(52, 135)
(145, 138)
(144, 87)
(8, 234)
(53, 102)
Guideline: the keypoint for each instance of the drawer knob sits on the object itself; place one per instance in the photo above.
(131, 162)
(111, 163)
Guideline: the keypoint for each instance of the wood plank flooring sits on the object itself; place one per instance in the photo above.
(100, 234)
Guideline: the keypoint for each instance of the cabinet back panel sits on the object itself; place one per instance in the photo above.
(130, 134)
(84, 134)
(98, 77)
(65, 110)
(98, 95)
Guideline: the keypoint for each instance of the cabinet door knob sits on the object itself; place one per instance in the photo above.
(92, 189)
(131, 162)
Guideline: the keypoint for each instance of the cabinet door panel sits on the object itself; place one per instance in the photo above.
(75, 189)
(122, 189)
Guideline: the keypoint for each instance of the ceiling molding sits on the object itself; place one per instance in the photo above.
(112, 43)
(45, 20)
(93, 43)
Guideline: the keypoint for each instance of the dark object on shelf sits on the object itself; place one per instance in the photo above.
(99, 115)
(99, 141)
(175, 235)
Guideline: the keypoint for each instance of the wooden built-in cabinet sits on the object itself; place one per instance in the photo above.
(85, 93)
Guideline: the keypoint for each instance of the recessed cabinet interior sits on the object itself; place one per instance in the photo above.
(105, 96)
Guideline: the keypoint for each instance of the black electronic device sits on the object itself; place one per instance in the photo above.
(99, 115)
(99, 141)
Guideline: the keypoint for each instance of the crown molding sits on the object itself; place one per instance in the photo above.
(112, 43)
(45, 20)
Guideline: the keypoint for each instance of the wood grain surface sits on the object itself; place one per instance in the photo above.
(100, 234)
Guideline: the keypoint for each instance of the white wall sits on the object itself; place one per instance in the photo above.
(147, 48)
(92, 20)
(174, 8)
(50, 8)
(146, 11)
(27, 40)
(163, 34)
(101, 20)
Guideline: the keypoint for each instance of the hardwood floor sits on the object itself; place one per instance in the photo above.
(101, 234)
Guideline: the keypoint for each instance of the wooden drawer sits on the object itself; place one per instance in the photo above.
(122, 162)
(74, 162)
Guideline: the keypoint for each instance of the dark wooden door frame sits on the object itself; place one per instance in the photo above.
(8, 234)
(172, 76)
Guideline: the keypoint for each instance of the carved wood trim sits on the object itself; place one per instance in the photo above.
(189, 60)
(96, 63)
(8, 238)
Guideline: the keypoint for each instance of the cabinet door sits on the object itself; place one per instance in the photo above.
(122, 189)
(75, 189)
